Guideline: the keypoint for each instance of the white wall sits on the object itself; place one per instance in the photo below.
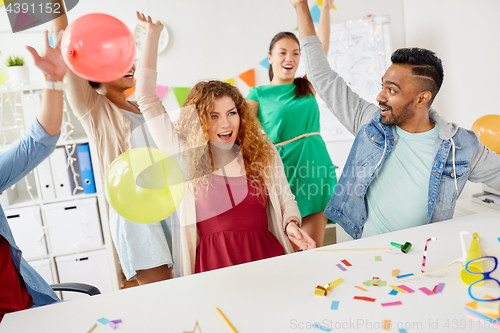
(465, 35)
(223, 38)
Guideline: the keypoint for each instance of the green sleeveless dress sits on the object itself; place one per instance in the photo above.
(308, 167)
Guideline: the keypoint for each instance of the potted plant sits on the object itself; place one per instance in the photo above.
(18, 73)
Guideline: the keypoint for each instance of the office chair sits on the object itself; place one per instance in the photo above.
(76, 287)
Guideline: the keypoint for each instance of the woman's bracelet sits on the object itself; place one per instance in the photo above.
(286, 225)
(51, 85)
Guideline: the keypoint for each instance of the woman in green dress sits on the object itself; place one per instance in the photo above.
(289, 114)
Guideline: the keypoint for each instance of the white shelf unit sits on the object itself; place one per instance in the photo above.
(35, 200)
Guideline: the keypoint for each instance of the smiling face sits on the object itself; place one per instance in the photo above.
(284, 58)
(123, 83)
(398, 96)
(225, 121)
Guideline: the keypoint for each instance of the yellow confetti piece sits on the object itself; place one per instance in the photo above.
(395, 272)
(387, 325)
(398, 289)
(361, 288)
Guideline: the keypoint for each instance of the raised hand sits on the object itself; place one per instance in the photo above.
(296, 3)
(147, 23)
(51, 63)
(327, 4)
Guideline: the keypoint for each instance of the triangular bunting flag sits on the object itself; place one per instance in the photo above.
(315, 13)
(265, 63)
(6, 2)
(51, 40)
(320, 2)
(161, 90)
(130, 91)
(23, 20)
(181, 94)
(248, 77)
(230, 81)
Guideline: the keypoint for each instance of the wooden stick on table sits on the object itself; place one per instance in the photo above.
(227, 321)
(92, 328)
(368, 249)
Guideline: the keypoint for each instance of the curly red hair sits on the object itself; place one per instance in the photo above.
(257, 152)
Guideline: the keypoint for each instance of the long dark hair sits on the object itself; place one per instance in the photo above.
(302, 85)
(94, 85)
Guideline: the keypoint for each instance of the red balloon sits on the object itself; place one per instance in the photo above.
(98, 47)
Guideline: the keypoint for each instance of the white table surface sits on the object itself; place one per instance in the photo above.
(277, 295)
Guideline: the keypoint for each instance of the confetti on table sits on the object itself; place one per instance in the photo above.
(408, 289)
(113, 323)
(345, 262)
(103, 320)
(402, 330)
(341, 267)
(439, 288)
(375, 282)
(426, 291)
(402, 276)
(387, 325)
(393, 292)
(335, 305)
(395, 272)
(321, 327)
(378, 258)
(364, 298)
(398, 289)
(361, 288)
(375, 278)
(392, 303)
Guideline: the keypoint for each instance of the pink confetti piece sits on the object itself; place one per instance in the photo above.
(341, 267)
(408, 289)
(345, 262)
(426, 291)
(392, 303)
(439, 288)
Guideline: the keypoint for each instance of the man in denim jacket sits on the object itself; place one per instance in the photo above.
(407, 165)
(21, 286)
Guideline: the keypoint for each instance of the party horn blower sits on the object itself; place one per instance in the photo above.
(474, 252)
(403, 247)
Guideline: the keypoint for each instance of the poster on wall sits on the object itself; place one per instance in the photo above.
(359, 54)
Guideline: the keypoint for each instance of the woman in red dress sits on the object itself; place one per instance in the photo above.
(237, 206)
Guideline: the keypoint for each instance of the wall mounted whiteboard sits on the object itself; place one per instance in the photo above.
(360, 53)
